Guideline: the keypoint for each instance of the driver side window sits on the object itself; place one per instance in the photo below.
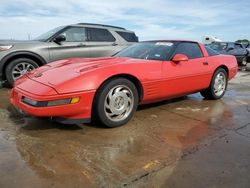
(75, 34)
(190, 49)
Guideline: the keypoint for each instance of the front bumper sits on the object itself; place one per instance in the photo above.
(79, 112)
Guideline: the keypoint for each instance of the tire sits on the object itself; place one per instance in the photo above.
(21, 65)
(243, 62)
(115, 110)
(211, 93)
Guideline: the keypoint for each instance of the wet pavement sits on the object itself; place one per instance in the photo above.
(187, 142)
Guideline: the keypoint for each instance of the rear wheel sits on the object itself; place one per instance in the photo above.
(115, 103)
(217, 86)
(19, 67)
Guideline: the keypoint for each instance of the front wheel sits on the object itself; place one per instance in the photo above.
(19, 67)
(115, 103)
(217, 86)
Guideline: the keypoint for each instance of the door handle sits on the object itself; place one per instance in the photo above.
(114, 44)
(205, 63)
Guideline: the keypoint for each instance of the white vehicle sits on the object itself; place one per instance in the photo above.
(210, 39)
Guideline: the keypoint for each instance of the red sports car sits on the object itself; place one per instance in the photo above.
(108, 90)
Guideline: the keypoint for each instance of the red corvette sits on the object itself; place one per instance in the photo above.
(108, 90)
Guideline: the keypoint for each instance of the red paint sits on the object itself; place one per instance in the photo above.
(180, 58)
(82, 77)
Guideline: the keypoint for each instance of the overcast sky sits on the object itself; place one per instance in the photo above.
(150, 19)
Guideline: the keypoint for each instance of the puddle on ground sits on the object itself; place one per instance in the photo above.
(37, 152)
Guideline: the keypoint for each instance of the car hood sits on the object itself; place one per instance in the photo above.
(62, 71)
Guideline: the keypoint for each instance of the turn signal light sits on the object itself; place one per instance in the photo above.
(75, 100)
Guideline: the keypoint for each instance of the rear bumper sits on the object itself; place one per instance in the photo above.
(79, 112)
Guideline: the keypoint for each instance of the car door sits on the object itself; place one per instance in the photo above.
(75, 45)
(102, 42)
(186, 77)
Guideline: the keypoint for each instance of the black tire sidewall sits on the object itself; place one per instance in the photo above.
(99, 115)
(12, 64)
(212, 83)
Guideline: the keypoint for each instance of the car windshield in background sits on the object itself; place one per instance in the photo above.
(218, 46)
(48, 34)
(211, 52)
(148, 50)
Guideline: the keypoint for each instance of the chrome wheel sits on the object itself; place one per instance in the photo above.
(21, 69)
(119, 103)
(220, 84)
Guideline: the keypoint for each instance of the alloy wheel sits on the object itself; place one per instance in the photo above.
(219, 84)
(119, 103)
(21, 69)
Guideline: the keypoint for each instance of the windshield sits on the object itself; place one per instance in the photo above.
(218, 46)
(148, 50)
(48, 34)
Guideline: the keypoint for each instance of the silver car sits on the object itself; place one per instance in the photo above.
(78, 40)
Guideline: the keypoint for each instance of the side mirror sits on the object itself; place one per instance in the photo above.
(59, 39)
(229, 49)
(179, 58)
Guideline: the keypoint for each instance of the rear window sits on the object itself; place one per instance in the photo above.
(211, 52)
(129, 37)
(100, 35)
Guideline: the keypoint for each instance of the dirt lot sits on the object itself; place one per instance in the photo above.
(188, 142)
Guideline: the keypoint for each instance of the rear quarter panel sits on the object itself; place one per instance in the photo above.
(227, 61)
(216, 61)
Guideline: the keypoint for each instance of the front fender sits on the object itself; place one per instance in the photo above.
(17, 54)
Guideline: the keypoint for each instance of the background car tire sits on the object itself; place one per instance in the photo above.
(13, 65)
(117, 90)
(243, 62)
(210, 92)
